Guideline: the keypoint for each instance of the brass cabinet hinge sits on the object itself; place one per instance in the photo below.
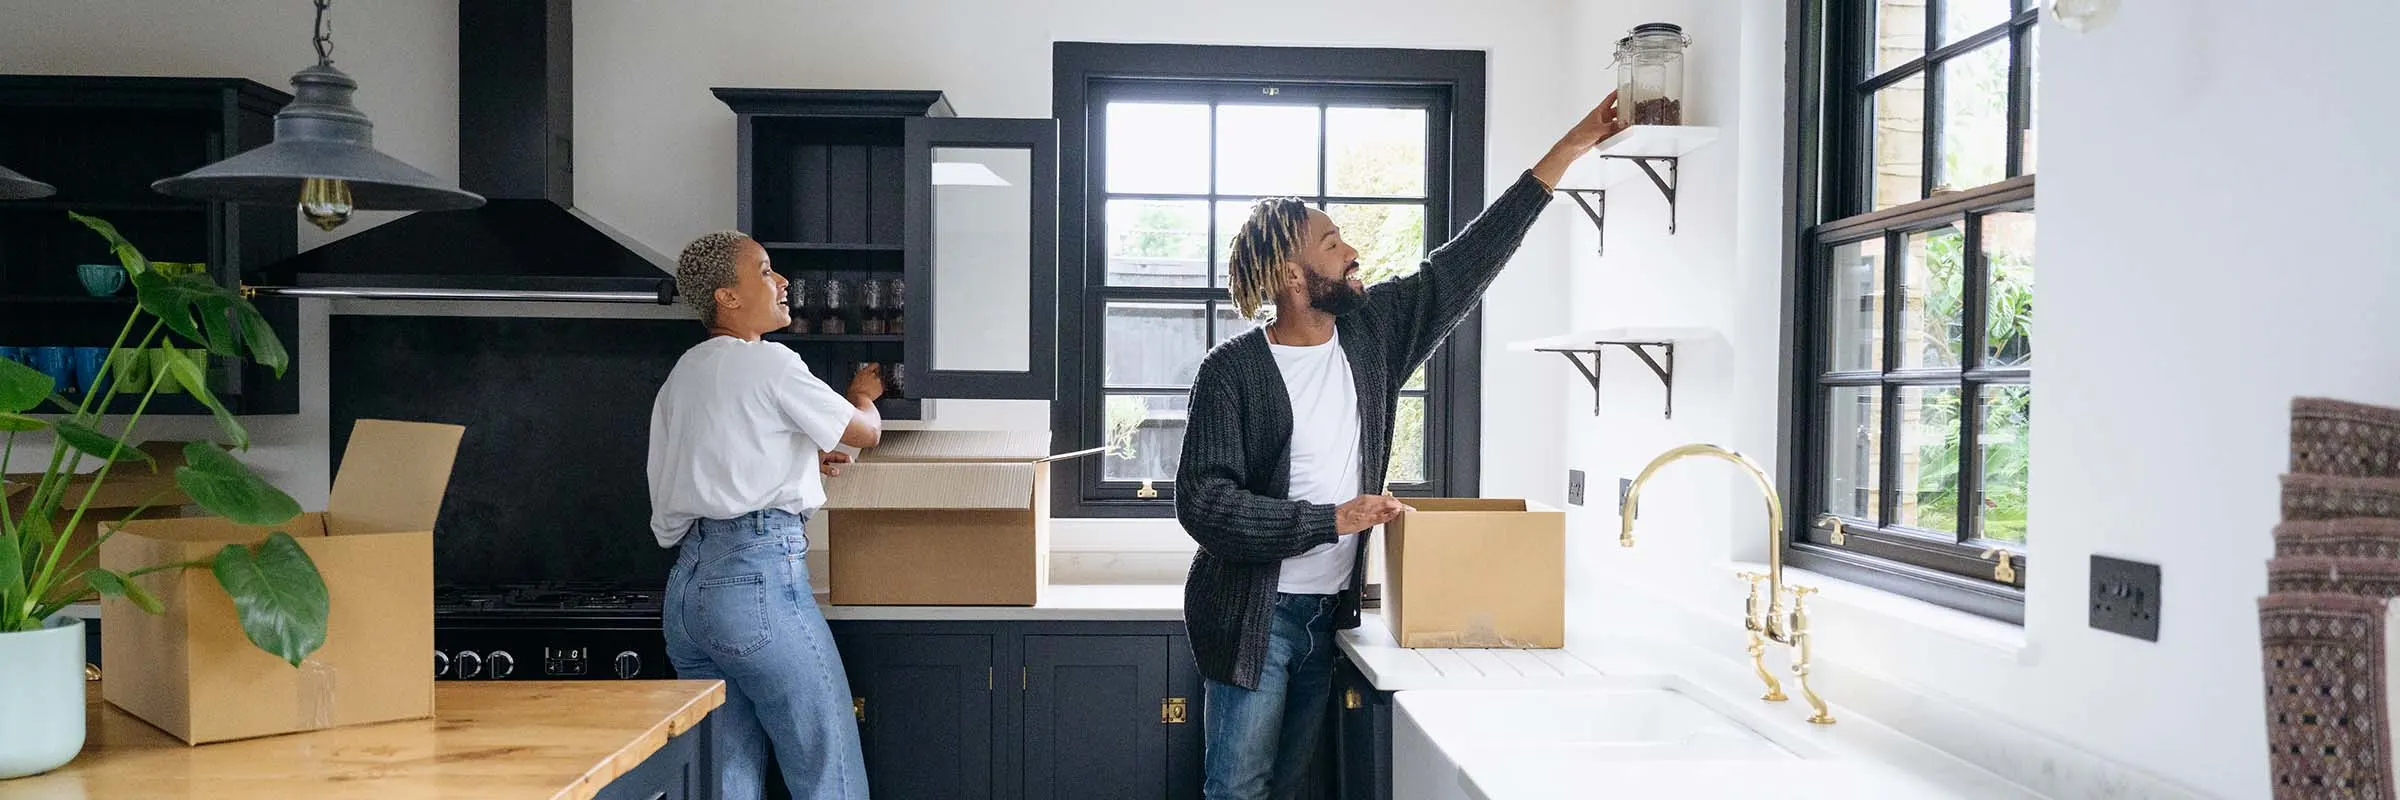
(1171, 711)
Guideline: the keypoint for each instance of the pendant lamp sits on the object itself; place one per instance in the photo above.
(322, 158)
(18, 187)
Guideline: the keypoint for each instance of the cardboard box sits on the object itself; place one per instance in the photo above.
(130, 486)
(191, 671)
(943, 518)
(1477, 573)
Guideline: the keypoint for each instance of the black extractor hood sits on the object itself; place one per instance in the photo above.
(516, 148)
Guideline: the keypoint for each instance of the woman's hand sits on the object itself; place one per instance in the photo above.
(830, 462)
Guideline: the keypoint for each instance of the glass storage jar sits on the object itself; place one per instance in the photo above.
(1650, 75)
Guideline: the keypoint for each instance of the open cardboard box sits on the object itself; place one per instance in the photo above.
(130, 486)
(191, 671)
(1476, 573)
(948, 518)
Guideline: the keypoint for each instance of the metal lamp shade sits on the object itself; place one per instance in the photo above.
(319, 135)
(18, 187)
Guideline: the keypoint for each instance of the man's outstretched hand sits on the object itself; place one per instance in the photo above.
(1588, 133)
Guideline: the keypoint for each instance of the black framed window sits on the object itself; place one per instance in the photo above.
(1911, 295)
(1174, 143)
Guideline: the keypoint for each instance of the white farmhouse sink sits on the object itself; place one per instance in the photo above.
(1564, 738)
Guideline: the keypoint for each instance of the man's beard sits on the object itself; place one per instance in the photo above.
(1333, 295)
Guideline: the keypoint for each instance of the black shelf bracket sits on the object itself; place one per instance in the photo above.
(1597, 207)
(1591, 373)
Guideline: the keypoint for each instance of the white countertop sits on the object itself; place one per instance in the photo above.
(1855, 757)
(1060, 602)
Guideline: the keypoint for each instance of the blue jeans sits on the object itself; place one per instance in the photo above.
(739, 609)
(1263, 739)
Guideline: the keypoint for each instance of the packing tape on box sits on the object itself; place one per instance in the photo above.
(1480, 634)
(315, 689)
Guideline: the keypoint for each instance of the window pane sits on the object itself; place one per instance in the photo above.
(1975, 118)
(1157, 243)
(1408, 443)
(1897, 145)
(1156, 148)
(1230, 323)
(1375, 152)
(1899, 32)
(1933, 300)
(1855, 321)
(1854, 452)
(1154, 344)
(1928, 455)
(1964, 18)
(1230, 216)
(1267, 150)
(1416, 380)
(2033, 96)
(2005, 442)
(2008, 304)
(1390, 238)
(1145, 436)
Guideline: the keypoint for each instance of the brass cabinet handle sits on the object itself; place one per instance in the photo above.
(1351, 700)
(1173, 711)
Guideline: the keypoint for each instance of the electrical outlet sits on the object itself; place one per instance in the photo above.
(1574, 487)
(2125, 597)
(1625, 487)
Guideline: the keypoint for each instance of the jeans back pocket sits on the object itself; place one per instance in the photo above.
(732, 614)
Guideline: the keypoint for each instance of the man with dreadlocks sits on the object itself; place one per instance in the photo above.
(1283, 458)
(738, 435)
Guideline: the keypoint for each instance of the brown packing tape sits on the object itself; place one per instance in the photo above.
(315, 695)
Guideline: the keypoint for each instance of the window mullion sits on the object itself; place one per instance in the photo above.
(1929, 166)
(2020, 86)
(1973, 300)
(1889, 497)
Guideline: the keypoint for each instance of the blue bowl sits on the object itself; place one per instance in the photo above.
(101, 280)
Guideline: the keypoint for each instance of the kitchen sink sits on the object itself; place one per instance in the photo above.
(1565, 736)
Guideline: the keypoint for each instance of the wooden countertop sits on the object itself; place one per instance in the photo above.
(496, 739)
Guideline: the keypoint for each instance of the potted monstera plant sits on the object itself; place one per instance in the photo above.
(276, 590)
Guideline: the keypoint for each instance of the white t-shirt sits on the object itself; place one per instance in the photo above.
(736, 429)
(1324, 456)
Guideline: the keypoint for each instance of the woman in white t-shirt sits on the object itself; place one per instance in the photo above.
(738, 436)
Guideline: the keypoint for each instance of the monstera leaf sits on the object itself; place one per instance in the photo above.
(278, 595)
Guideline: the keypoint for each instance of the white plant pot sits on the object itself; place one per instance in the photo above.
(41, 724)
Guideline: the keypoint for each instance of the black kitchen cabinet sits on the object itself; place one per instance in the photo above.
(1358, 746)
(861, 186)
(683, 769)
(102, 141)
(1009, 710)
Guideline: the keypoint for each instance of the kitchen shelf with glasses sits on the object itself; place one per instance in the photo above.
(833, 247)
(1650, 344)
(836, 338)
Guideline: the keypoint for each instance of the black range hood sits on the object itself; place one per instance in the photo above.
(516, 148)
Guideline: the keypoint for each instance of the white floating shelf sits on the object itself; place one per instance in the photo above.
(1587, 340)
(1648, 149)
(1657, 141)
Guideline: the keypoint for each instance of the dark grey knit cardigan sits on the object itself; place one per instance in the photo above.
(1235, 475)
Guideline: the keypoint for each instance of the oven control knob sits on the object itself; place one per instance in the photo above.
(469, 664)
(629, 664)
(441, 664)
(502, 664)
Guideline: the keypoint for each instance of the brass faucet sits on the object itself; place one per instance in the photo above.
(1768, 620)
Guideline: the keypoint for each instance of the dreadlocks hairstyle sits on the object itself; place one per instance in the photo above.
(1262, 249)
(706, 266)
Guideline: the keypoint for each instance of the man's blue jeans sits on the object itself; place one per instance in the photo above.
(739, 608)
(1260, 741)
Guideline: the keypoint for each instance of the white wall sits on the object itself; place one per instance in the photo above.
(655, 151)
(2229, 220)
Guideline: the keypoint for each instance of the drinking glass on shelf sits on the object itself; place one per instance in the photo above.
(798, 294)
(870, 307)
(895, 380)
(895, 306)
(836, 303)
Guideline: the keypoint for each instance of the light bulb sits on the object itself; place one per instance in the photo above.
(325, 202)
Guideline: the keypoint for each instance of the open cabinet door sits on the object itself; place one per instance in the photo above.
(982, 258)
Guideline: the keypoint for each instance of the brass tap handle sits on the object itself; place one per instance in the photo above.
(2002, 570)
(1800, 662)
(1754, 613)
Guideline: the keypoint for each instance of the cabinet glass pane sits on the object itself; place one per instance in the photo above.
(1899, 33)
(1158, 243)
(1854, 321)
(1928, 453)
(1933, 299)
(1965, 18)
(2008, 304)
(1375, 152)
(981, 263)
(2006, 445)
(1854, 452)
(1145, 436)
(1267, 150)
(1158, 148)
(1408, 442)
(1154, 344)
(1896, 146)
(1390, 238)
(1975, 118)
